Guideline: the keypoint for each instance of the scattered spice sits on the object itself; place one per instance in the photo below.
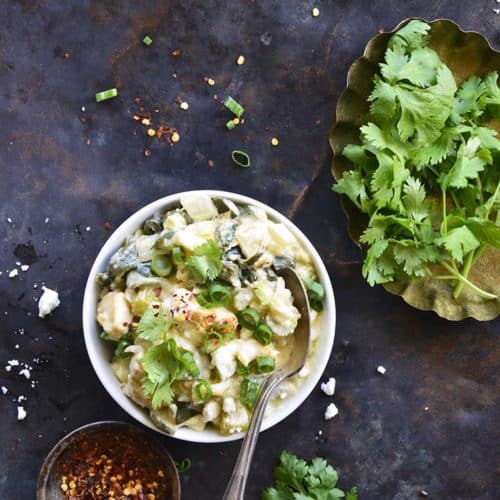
(275, 141)
(315, 12)
(176, 52)
(211, 164)
(137, 100)
(184, 105)
(423, 493)
(107, 226)
(110, 466)
(210, 81)
(175, 137)
(240, 60)
(147, 153)
(146, 122)
(66, 55)
(151, 132)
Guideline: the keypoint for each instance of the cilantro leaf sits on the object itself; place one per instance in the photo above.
(353, 187)
(459, 242)
(295, 479)
(205, 263)
(152, 326)
(164, 364)
(412, 35)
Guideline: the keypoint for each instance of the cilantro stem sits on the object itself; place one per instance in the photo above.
(458, 276)
(465, 274)
(444, 222)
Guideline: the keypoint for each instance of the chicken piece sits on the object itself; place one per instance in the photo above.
(133, 386)
(183, 306)
(211, 410)
(114, 315)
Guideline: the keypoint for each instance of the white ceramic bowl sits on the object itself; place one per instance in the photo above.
(99, 352)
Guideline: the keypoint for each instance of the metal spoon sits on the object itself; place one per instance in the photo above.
(236, 488)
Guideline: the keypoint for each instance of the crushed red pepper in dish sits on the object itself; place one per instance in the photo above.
(112, 466)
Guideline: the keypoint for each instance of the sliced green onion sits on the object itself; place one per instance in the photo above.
(249, 318)
(315, 293)
(147, 40)
(219, 335)
(264, 364)
(240, 158)
(184, 465)
(235, 107)
(248, 392)
(106, 94)
(241, 369)
(177, 257)
(202, 391)
(230, 125)
(263, 334)
(161, 265)
(215, 295)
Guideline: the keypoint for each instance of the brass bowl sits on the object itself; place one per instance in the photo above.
(466, 54)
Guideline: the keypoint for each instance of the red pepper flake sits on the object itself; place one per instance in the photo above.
(156, 306)
(137, 100)
(176, 52)
(381, 30)
(211, 164)
(107, 226)
(88, 141)
(157, 292)
(66, 55)
(147, 152)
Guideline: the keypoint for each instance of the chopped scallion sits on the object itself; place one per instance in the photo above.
(240, 158)
(265, 364)
(248, 392)
(177, 257)
(184, 465)
(230, 125)
(161, 265)
(263, 334)
(215, 295)
(202, 391)
(235, 107)
(147, 40)
(249, 318)
(106, 94)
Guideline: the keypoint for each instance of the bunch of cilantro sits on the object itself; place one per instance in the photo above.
(295, 479)
(427, 171)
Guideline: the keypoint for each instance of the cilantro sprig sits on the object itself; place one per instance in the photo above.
(297, 479)
(426, 172)
(205, 263)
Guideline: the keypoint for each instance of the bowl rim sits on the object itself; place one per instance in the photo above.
(102, 367)
(62, 445)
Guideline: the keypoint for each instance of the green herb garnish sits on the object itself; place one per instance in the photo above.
(264, 364)
(235, 107)
(426, 172)
(263, 334)
(164, 364)
(161, 265)
(249, 391)
(315, 293)
(240, 158)
(106, 94)
(219, 334)
(249, 318)
(177, 256)
(297, 479)
(202, 391)
(184, 465)
(205, 263)
(153, 325)
(215, 295)
(147, 40)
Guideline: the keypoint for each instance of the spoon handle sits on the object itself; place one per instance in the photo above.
(236, 488)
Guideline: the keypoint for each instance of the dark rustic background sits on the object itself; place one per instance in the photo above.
(87, 166)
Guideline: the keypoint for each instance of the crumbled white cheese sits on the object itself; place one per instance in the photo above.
(13, 273)
(331, 411)
(48, 302)
(381, 369)
(13, 362)
(329, 387)
(24, 267)
(4, 389)
(25, 372)
(46, 220)
(21, 413)
(9, 220)
(88, 229)
(304, 372)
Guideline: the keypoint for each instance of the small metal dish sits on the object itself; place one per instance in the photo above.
(49, 480)
(466, 54)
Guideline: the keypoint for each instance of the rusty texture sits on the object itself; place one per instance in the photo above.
(88, 168)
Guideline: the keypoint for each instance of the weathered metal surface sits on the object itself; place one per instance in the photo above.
(86, 168)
